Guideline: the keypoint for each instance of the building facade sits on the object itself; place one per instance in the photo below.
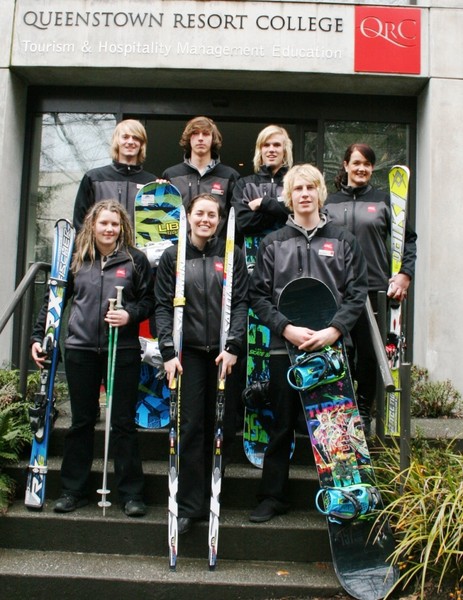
(389, 73)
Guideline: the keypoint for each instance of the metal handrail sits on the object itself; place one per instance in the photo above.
(23, 292)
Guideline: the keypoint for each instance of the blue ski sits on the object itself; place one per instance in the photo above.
(42, 413)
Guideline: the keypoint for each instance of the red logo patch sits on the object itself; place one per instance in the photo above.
(328, 246)
(387, 40)
(121, 272)
(219, 267)
(371, 209)
(217, 189)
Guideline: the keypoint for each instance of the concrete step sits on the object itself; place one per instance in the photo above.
(72, 575)
(297, 536)
(239, 487)
(154, 442)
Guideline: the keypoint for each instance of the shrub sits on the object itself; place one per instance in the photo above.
(424, 505)
(432, 399)
(15, 432)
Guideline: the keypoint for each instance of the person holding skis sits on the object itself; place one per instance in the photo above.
(201, 171)
(200, 349)
(308, 245)
(104, 258)
(122, 178)
(257, 199)
(366, 212)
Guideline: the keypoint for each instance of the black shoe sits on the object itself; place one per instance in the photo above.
(266, 510)
(67, 503)
(184, 524)
(135, 508)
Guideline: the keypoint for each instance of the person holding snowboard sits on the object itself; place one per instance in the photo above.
(200, 349)
(309, 245)
(104, 258)
(366, 212)
(122, 178)
(257, 198)
(201, 171)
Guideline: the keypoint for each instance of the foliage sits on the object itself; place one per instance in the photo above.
(424, 505)
(432, 399)
(15, 432)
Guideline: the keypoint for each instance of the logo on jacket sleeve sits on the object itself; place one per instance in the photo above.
(121, 272)
(217, 189)
(327, 249)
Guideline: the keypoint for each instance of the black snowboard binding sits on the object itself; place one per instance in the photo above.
(255, 396)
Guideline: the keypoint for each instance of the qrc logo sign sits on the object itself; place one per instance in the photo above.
(387, 40)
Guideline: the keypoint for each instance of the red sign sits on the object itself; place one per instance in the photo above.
(387, 40)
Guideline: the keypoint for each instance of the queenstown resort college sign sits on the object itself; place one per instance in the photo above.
(329, 38)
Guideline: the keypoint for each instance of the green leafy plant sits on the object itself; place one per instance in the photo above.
(432, 399)
(15, 432)
(424, 505)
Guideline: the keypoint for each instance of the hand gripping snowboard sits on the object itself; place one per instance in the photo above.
(156, 219)
(360, 545)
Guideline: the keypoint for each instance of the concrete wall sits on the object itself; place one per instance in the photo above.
(12, 128)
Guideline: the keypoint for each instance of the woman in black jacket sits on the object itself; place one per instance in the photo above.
(103, 259)
(200, 350)
(366, 212)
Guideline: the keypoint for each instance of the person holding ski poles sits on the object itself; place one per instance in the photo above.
(104, 258)
(200, 349)
(366, 212)
(309, 245)
(259, 206)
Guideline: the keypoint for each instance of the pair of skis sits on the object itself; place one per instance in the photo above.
(42, 413)
(395, 346)
(175, 399)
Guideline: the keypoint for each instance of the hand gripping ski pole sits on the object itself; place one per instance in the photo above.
(114, 303)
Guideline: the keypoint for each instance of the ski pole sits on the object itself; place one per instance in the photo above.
(114, 303)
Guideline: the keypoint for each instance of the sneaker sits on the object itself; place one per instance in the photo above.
(266, 510)
(67, 503)
(135, 508)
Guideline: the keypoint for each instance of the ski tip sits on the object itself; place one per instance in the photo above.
(212, 567)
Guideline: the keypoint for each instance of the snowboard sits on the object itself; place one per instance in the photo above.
(257, 413)
(360, 543)
(156, 225)
(398, 184)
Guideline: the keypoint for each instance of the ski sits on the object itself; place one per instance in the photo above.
(43, 413)
(175, 397)
(216, 480)
(398, 184)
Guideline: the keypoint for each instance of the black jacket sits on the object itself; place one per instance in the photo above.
(272, 213)
(218, 180)
(116, 181)
(366, 212)
(203, 293)
(91, 287)
(330, 253)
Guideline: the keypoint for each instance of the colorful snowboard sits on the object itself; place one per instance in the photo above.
(156, 224)
(257, 413)
(348, 497)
